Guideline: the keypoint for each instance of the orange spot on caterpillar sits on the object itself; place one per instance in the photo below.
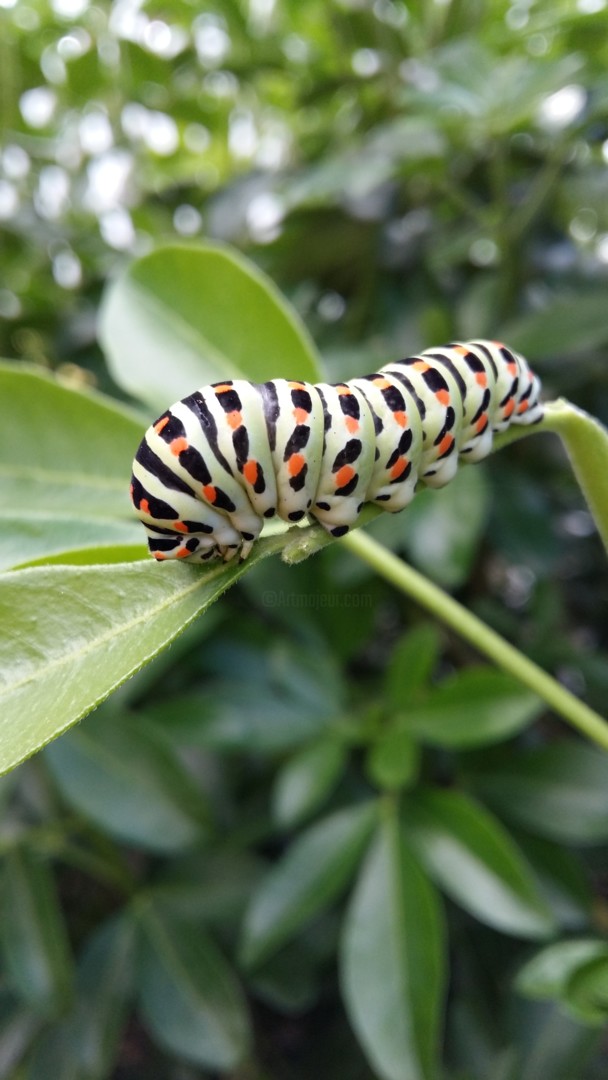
(445, 444)
(250, 471)
(183, 553)
(443, 397)
(209, 493)
(234, 419)
(342, 388)
(180, 527)
(351, 424)
(300, 416)
(399, 467)
(523, 406)
(461, 350)
(177, 445)
(344, 476)
(295, 385)
(160, 424)
(512, 367)
(382, 384)
(144, 506)
(421, 365)
(508, 409)
(481, 423)
(481, 378)
(295, 464)
(222, 388)
(158, 555)
(400, 418)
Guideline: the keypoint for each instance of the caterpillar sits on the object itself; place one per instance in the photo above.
(218, 464)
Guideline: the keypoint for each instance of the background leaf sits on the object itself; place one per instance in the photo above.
(473, 858)
(559, 791)
(313, 872)
(472, 708)
(190, 998)
(392, 961)
(80, 462)
(212, 312)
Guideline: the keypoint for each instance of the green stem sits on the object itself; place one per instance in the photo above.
(586, 443)
(486, 640)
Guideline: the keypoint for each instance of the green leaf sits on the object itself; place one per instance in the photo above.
(562, 878)
(550, 1043)
(473, 708)
(393, 961)
(84, 1045)
(442, 529)
(558, 791)
(185, 316)
(412, 663)
(104, 986)
(114, 771)
(476, 862)
(549, 972)
(587, 992)
(305, 781)
(65, 462)
(567, 326)
(393, 759)
(70, 635)
(314, 872)
(190, 999)
(33, 934)
(18, 1025)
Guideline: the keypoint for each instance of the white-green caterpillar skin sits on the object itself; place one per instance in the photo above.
(216, 465)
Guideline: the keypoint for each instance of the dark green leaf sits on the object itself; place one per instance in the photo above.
(305, 781)
(33, 933)
(558, 791)
(190, 999)
(392, 961)
(115, 772)
(412, 663)
(475, 860)
(315, 869)
(473, 708)
(392, 762)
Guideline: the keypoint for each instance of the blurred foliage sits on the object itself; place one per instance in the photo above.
(204, 875)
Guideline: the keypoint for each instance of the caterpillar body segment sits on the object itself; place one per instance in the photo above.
(218, 464)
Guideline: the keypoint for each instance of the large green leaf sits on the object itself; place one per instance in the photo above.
(190, 998)
(474, 859)
(65, 461)
(186, 316)
(70, 635)
(32, 932)
(312, 873)
(559, 791)
(393, 962)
